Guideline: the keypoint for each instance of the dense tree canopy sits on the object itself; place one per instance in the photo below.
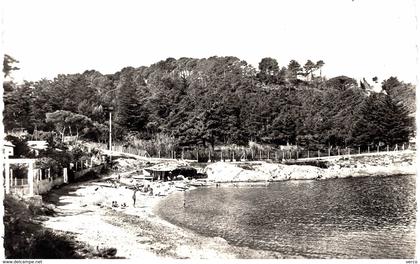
(218, 100)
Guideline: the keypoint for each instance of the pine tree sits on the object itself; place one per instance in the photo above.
(380, 120)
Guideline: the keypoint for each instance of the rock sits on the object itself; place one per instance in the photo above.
(227, 172)
(50, 206)
(106, 252)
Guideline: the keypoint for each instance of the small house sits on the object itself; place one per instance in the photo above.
(37, 145)
(168, 172)
(8, 149)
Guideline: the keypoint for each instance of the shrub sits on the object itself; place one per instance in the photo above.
(25, 237)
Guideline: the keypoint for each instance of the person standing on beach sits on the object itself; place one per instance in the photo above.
(134, 197)
(183, 202)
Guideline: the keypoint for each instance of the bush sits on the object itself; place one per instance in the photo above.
(25, 237)
(159, 143)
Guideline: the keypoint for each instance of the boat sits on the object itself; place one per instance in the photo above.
(201, 183)
(181, 186)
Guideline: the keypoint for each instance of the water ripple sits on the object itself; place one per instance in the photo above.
(372, 217)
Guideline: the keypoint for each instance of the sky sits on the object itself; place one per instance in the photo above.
(357, 38)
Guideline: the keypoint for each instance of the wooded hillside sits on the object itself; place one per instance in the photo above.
(216, 100)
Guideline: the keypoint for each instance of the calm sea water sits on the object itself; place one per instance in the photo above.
(371, 217)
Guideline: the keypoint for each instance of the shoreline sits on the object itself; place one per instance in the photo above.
(341, 167)
(85, 210)
(135, 232)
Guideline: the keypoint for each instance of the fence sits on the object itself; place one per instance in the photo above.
(44, 179)
(255, 154)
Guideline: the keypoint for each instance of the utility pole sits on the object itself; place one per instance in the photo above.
(110, 137)
(110, 109)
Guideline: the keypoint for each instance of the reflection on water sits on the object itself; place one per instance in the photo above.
(372, 217)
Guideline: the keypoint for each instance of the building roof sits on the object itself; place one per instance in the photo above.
(38, 144)
(8, 144)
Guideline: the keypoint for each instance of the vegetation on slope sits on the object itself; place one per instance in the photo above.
(216, 100)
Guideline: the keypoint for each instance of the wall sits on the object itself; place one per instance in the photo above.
(45, 185)
(81, 173)
(20, 190)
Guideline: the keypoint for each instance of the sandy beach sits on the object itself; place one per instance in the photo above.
(86, 209)
(136, 232)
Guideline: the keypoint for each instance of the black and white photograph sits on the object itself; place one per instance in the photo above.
(209, 130)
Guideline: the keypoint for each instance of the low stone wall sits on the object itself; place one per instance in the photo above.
(81, 173)
(46, 185)
(20, 190)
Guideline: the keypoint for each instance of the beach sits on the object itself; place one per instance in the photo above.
(85, 210)
(136, 232)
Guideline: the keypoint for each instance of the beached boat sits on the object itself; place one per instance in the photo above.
(181, 186)
(201, 183)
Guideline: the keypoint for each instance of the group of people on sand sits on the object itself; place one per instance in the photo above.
(145, 189)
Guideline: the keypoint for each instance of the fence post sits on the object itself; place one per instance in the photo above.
(308, 153)
(290, 154)
(297, 154)
(359, 149)
(11, 177)
(65, 177)
(329, 152)
(221, 155)
(403, 147)
(348, 151)
(233, 156)
(260, 155)
(159, 154)
(338, 151)
(209, 160)
(368, 149)
(268, 154)
(31, 178)
(387, 148)
(377, 148)
(275, 153)
(319, 153)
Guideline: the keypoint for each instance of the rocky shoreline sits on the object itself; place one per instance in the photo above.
(85, 209)
(338, 167)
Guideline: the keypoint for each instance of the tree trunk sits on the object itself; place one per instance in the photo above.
(62, 134)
